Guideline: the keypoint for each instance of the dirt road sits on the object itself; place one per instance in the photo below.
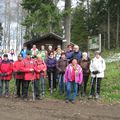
(47, 109)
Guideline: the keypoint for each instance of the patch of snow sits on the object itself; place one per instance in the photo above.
(114, 58)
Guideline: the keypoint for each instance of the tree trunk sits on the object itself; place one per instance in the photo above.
(108, 28)
(104, 43)
(9, 25)
(117, 30)
(67, 22)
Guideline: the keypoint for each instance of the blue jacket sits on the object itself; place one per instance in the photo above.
(23, 53)
(77, 55)
(69, 55)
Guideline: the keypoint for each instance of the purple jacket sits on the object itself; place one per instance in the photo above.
(78, 75)
(51, 64)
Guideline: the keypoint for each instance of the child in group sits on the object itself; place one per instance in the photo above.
(73, 76)
(97, 68)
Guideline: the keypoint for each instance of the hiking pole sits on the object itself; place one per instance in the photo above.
(14, 88)
(51, 85)
(92, 83)
(42, 83)
(32, 84)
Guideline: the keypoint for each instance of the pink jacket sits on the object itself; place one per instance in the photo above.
(40, 65)
(78, 75)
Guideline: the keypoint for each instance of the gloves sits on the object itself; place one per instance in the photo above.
(95, 72)
(41, 71)
(4, 74)
(18, 72)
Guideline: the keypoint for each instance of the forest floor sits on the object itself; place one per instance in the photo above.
(51, 109)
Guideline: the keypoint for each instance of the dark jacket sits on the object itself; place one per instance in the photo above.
(61, 65)
(85, 64)
(77, 55)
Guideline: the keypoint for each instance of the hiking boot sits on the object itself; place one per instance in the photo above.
(38, 98)
(97, 96)
(6, 96)
(25, 99)
(73, 101)
(67, 101)
(90, 97)
(83, 95)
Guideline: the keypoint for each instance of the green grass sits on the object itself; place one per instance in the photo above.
(110, 88)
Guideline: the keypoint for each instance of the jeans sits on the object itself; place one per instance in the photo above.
(25, 88)
(85, 78)
(69, 86)
(42, 84)
(19, 85)
(39, 84)
(6, 82)
(61, 83)
(95, 87)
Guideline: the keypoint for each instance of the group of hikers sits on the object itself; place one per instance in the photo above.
(67, 70)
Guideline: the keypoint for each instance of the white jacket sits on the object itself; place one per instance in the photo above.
(99, 65)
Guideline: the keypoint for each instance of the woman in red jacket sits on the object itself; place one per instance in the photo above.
(40, 70)
(29, 65)
(6, 74)
(19, 75)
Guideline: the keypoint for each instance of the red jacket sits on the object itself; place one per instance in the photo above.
(6, 67)
(29, 64)
(40, 65)
(18, 66)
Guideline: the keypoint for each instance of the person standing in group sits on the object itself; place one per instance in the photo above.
(97, 68)
(23, 52)
(61, 66)
(6, 52)
(69, 52)
(13, 56)
(51, 70)
(58, 52)
(43, 52)
(73, 76)
(29, 66)
(34, 51)
(40, 70)
(85, 64)
(19, 75)
(77, 53)
(5, 75)
(50, 49)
